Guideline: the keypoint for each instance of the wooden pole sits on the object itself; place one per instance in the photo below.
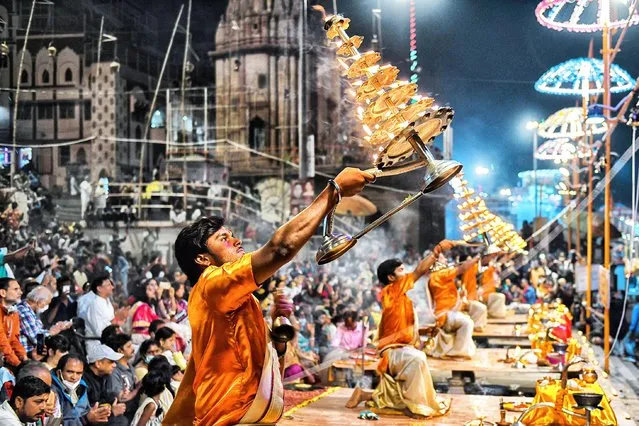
(575, 187)
(589, 242)
(604, 13)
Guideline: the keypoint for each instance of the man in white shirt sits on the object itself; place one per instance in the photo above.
(86, 190)
(95, 308)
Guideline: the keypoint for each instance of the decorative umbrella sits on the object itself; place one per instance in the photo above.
(356, 206)
(561, 150)
(584, 15)
(569, 123)
(583, 77)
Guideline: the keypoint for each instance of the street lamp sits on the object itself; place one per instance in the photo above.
(533, 126)
(482, 170)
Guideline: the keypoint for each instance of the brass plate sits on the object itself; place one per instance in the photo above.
(346, 49)
(430, 126)
(383, 106)
(395, 124)
(361, 65)
(342, 22)
(382, 78)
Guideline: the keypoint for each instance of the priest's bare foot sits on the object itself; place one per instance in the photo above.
(359, 395)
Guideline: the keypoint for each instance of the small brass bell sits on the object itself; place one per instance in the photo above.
(4, 49)
(52, 51)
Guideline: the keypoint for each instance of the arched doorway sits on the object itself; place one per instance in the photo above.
(257, 133)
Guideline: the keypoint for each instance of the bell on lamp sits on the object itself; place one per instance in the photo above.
(595, 115)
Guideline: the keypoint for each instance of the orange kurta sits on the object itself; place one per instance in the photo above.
(469, 279)
(489, 281)
(398, 317)
(229, 346)
(443, 292)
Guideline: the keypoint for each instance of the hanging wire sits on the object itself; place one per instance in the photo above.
(635, 187)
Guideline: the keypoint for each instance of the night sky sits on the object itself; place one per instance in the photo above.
(481, 57)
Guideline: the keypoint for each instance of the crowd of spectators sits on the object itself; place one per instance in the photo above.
(90, 334)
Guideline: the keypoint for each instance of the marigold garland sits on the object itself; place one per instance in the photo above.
(312, 400)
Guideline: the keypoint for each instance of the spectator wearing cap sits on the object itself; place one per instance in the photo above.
(71, 391)
(123, 377)
(57, 346)
(29, 310)
(27, 404)
(101, 361)
(10, 346)
(96, 309)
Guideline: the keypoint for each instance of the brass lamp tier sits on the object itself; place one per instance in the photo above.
(398, 122)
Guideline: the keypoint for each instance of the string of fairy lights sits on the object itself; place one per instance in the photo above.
(414, 64)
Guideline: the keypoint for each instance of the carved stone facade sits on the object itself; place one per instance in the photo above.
(256, 61)
(64, 98)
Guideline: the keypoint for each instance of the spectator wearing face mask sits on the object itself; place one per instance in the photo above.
(165, 337)
(148, 350)
(57, 346)
(63, 307)
(71, 391)
(27, 404)
(10, 346)
(29, 310)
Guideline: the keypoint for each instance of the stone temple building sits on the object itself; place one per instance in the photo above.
(66, 95)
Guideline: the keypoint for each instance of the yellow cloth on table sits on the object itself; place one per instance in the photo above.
(552, 392)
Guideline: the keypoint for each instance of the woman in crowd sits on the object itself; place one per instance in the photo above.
(144, 311)
(166, 337)
(148, 350)
(161, 365)
(150, 413)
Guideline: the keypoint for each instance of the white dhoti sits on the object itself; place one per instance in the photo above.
(336, 354)
(496, 305)
(478, 313)
(456, 337)
(407, 383)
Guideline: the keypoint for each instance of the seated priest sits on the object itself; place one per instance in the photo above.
(453, 314)
(490, 279)
(405, 381)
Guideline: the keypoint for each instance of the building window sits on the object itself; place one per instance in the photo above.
(4, 61)
(25, 112)
(87, 110)
(81, 156)
(68, 76)
(45, 77)
(138, 132)
(257, 134)
(45, 111)
(261, 81)
(157, 120)
(64, 155)
(66, 110)
(24, 78)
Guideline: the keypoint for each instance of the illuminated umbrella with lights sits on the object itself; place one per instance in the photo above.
(569, 123)
(356, 206)
(584, 16)
(561, 150)
(583, 77)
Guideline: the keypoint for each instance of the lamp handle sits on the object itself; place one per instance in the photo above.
(408, 201)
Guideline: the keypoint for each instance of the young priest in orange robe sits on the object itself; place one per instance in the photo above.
(234, 373)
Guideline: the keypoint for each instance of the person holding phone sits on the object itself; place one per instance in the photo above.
(35, 304)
